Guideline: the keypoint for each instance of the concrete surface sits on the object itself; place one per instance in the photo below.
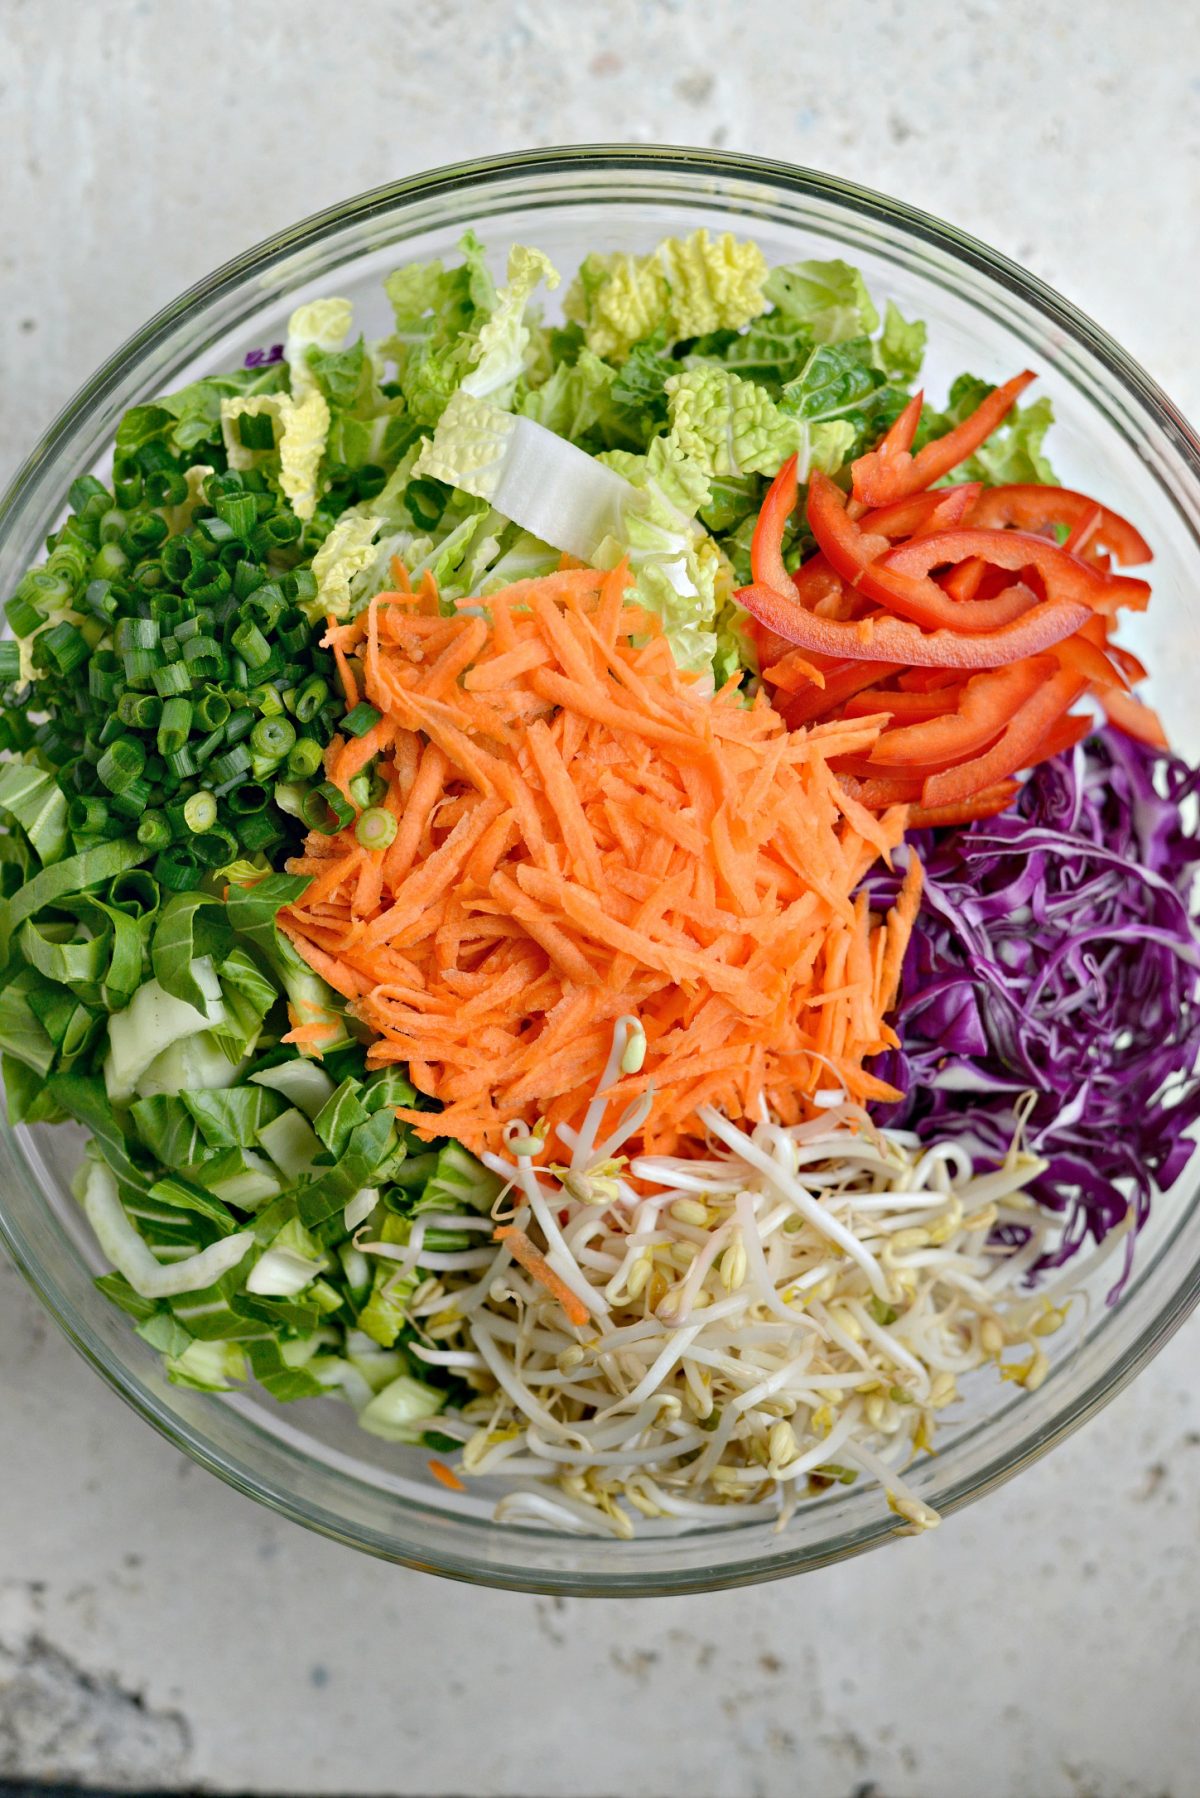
(154, 1629)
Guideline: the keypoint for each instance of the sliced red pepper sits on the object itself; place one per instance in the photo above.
(1014, 749)
(869, 564)
(1063, 736)
(1131, 666)
(766, 545)
(1089, 661)
(1045, 623)
(966, 811)
(881, 478)
(1134, 718)
(988, 702)
(1064, 576)
(895, 444)
(929, 680)
(815, 702)
(964, 581)
(1033, 508)
(941, 510)
(908, 708)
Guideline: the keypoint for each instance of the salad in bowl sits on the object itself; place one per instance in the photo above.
(596, 873)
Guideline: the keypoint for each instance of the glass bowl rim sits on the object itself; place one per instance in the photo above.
(444, 182)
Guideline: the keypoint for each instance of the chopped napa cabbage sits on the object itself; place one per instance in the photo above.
(151, 1022)
(131, 1256)
(301, 429)
(319, 325)
(348, 549)
(546, 485)
(729, 426)
(686, 287)
(399, 1412)
(829, 298)
(208, 1366)
(498, 354)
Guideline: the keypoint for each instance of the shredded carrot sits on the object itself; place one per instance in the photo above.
(535, 1263)
(448, 1478)
(584, 831)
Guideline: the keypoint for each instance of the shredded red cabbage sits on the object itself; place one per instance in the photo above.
(1056, 953)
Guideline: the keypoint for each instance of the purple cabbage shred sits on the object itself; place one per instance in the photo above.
(1056, 953)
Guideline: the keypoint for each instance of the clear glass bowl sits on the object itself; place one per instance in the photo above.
(1117, 436)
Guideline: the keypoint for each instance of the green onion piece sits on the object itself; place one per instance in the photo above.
(112, 525)
(267, 700)
(134, 892)
(360, 790)
(215, 847)
(100, 600)
(166, 487)
(135, 633)
(304, 758)
(248, 578)
(247, 799)
(363, 718)
(84, 488)
(273, 737)
(172, 677)
(311, 698)
(141, 711)
(127, 481)
(176, 868)
(61, 649)
(212, 710)
(233, 761)
(121, 763)
(133, 799)
(250, 644)
(153, 830)
(376, 828)
(140, 665)
(293, 631)
(87, 815)
(259, 832)
(181, 763)
(238, 511)
(108, 562)
(10, 663)
(240, 725)
(256, 430)
(325, 809)
(200, 811)
(174, 725)
(23, 616)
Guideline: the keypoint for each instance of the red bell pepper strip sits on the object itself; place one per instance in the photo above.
(940, 510)
(869, 565)
(1063, 736)
(966, 811)
(929, 680)
(894, 445)
(766, 545)
(963, 581)
(1033, 508)
(1064, 576)
(897, 640)
(1014, 749)
(1131, 666)
(816, 702)
(988, 702)
(1086, 657)
(908, 708)
(880, 478)
(1134, 718)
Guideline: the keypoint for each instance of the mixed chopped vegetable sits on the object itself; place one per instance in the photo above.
(574, 878)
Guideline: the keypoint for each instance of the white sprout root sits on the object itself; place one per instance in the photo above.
(788, 1313)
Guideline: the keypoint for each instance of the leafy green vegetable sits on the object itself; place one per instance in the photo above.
(829, 299)
(684, 288)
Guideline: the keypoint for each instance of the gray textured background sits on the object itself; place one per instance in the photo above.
(154, 1629)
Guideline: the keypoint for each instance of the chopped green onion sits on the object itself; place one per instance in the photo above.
(273, 737)
(133, 799)
(363, 718)
(181, 762)
(240, 725)
(87, 815)
(84, 488)
(250, 644)
(23, 616)
(293, 631)
(247, 799)
(325, 809)
(174, 725)
(259, 831)
(232, 762)
(166, 487)
(153, 830)
(121, 763)
(256, 431)
(304, 758)
(10, 663)
(172, 677)
(200, 811)
(376, 828)
(127, 481)
(176, 868)
(141, 711)
(108, 562)
(212, 710)
(215, 847)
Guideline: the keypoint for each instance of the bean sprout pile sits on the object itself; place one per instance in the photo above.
(786, 1314)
